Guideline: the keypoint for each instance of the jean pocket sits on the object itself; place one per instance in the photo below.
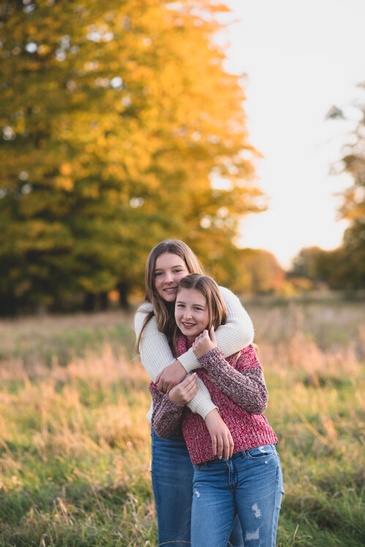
(261, 451)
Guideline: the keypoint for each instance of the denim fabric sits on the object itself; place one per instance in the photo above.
(249, 484)
(172, 480)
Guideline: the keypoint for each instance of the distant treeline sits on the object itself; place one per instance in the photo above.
(120, 127)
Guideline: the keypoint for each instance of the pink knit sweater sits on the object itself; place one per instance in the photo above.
(237, 387)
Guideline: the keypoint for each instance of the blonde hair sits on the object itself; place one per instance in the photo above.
(164, 311)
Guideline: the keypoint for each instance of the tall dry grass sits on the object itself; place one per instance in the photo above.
(74, 450)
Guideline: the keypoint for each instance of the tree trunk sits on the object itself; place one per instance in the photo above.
(123, 289)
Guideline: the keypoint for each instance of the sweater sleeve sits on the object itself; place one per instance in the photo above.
(154, 350)
(166, 416)
(235, 334)
(155, 354)
(245, 384)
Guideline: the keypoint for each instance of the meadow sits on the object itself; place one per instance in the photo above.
(75, 442)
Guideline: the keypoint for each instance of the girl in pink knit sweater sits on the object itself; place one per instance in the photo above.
(245, 476)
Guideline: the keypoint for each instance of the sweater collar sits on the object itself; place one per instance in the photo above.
(183, 344)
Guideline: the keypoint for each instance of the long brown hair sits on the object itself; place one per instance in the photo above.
(208, 288)
(164, 311)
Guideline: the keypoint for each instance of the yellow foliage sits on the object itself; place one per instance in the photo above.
(64, 183)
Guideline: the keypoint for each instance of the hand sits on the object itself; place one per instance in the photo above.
(222, 442)
(204, 342)
(170, 376)
(185, 391)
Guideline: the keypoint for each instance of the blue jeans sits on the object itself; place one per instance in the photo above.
(249, 484)
(172, 483)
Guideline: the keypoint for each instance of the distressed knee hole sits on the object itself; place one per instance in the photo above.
(252, 535)
(256, 509)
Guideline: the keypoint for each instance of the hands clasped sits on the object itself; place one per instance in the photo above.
(184, 392)
(170, 376)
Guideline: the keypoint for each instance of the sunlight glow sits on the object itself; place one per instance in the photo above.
(301, 58)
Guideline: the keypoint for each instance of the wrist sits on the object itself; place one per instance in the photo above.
(173, 397)
(212, 414)
(189, 361)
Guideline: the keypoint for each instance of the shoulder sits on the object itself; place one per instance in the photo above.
(248, 357)
(142, 311)
(224, 290)
(145, 307)
(227, 294)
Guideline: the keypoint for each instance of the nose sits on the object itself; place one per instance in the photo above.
(187, 313)
(169, 277)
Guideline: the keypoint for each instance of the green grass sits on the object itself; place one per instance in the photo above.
(75, 443)
(61, 339)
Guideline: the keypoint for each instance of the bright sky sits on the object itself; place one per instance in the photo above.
(301, 58)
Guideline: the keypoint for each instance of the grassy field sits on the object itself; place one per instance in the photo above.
(75, 444)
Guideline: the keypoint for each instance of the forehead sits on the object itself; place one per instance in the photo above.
(168, 260)
(191, 296)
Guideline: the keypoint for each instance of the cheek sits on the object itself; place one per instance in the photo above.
(205, 320)
(158, 285)
(181, 276)
(157, 281)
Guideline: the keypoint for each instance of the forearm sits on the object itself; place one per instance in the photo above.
(154, 350)
(166, 416)
(246, 388)
(156, 354)
(202, 403)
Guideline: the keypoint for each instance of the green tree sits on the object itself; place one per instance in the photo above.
(306, 264)
(120, 127)
(351, 273)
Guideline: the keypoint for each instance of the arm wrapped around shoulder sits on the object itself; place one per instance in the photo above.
(166, 416)
(242, 379)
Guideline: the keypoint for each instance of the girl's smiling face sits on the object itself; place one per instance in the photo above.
(191, 312)
(169, 269)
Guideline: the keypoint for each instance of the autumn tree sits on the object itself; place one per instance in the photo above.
(259, 272)
(119, 127)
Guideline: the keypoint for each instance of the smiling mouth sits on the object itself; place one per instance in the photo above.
(188, 325)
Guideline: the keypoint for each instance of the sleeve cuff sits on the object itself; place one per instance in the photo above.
(189, 361)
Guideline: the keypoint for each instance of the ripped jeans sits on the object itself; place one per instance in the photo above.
(249, 484)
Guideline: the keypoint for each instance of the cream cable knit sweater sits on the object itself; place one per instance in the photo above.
(156, 354)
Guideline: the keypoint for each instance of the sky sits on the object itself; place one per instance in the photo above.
(301, 57)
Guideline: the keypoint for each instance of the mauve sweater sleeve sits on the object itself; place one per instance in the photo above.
(166, 416)
(244, 384)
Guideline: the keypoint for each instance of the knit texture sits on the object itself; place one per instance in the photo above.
(237, 387)
(156, 354)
